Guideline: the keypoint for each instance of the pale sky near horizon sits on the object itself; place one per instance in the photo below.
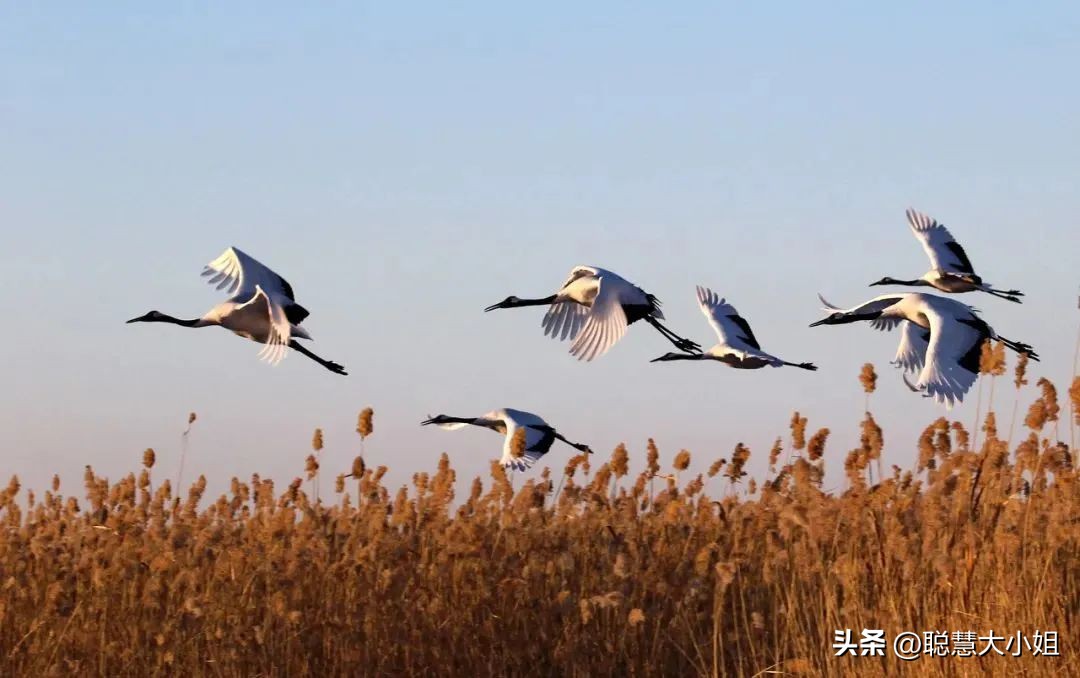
(404, 165)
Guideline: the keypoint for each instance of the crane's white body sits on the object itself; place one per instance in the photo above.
(258, 305)
(250, 319)
(590, 309)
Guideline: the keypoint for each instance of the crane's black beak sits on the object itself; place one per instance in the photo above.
(493, 307)
(675, 356)
(823, 321)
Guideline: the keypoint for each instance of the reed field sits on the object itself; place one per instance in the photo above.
(585, 570)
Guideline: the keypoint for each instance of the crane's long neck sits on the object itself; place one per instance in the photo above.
(493, 424)
(918, 282)
(163, 318)
(193, 322)
(514, 302)
(546, 301)
(682, 356)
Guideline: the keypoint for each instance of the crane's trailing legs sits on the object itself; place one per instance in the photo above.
(328, 364)
(806, 366)
(577, 446)
(1011, 295)
(1019, 347)
(679, 342)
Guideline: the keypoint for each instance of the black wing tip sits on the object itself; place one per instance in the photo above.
(295, 313)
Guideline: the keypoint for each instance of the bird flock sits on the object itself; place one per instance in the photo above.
(941, 339)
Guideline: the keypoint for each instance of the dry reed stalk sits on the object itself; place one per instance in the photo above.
(184, 446)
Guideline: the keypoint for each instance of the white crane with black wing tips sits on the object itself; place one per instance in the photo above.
(539, 435)
(738, 347)
(950, 269)
(942, 339)
(261, 307)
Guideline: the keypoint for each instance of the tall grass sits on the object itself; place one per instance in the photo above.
(609, 575)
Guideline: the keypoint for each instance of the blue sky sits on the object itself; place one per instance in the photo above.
(406, 164)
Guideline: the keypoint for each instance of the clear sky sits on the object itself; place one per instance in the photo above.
(406, 164)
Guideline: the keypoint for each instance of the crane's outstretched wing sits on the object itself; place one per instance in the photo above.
(604, 325)
(952, 357)
(730, 327)
(886, 323)
(239, 274)
(538, 440)
(911, 353)
(945, 253)
(262, 311)
(564, 319)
